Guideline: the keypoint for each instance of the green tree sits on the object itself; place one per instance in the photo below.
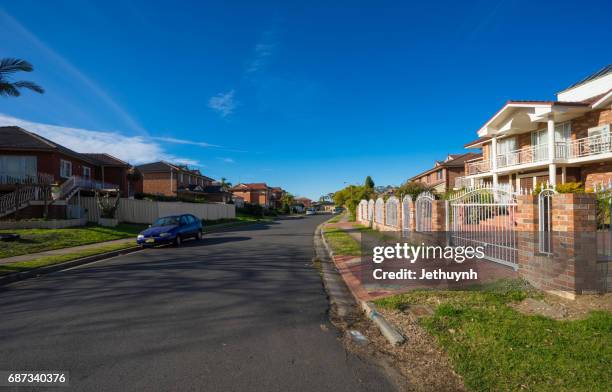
(9, 88)
(350, 196)
(411, 188)
(369, 182)
(287, 200)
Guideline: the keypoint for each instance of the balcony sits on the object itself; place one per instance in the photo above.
(522, 156)
(478, 166)
(585, 147)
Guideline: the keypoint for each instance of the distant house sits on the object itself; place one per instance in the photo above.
(254, 193)
(277, 196)
(446, 174)
(24, 156)
(168, 179)
(306, 202)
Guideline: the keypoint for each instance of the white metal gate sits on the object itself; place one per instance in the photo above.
(392, 212)
(545, 220)
(370, 211)
(406, 203)
(423, 211)
(485, 217)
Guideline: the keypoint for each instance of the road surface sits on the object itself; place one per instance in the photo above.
(239, 311)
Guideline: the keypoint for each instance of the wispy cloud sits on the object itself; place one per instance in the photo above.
(11, 24)
(228, 160)
(261, 53)
(133, 149)
(223, 103)
(182, 141)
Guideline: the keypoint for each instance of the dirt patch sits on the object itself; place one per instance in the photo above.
(565, 309)
(416, 365)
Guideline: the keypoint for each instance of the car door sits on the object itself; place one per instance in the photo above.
(193, 227)
(184, 226)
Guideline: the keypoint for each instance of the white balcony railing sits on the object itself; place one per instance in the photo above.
(530, 154)
(479, 166)
(588, 146)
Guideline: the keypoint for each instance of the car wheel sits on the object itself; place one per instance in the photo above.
(199, 236)
(178, 241)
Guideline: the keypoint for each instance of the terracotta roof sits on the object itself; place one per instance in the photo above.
(163, 166)
(106, 159)
(256, 186)
(456, 162)
(477, 141)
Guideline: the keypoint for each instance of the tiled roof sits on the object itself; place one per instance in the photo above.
(16, 138)
(477, 141)
(456, 162)
(163, 166)
(160, 166)
(256, 186)
(106, 160)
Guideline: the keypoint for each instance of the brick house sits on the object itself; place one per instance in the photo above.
(25, 155)
(254, 193)
(168, 179)
(566, 140)
(443, 176)
(277, 196)
(306, 202)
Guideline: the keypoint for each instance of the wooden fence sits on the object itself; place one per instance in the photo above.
(144, 211)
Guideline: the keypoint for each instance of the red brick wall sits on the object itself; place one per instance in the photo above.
(159, 184)
(581, 125)
(596, 174)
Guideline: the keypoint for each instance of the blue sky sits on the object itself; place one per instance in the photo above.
(303, 95)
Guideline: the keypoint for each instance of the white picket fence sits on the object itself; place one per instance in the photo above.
(144, 211)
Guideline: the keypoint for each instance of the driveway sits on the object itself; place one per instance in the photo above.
(242, 310)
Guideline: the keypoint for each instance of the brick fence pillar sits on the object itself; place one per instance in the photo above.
(438, 215)
(575, 243)
(569, 266)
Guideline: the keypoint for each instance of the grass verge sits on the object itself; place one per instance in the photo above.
(40, 240)
(341, 242)
(56, 259)
(493, 347)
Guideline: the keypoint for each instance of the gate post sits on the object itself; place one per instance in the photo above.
(575, 244)
(526, 231)
(438, 215)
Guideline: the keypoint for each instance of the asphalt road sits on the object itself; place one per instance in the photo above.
(239, 311)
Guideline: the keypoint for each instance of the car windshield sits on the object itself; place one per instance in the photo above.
(166, 221)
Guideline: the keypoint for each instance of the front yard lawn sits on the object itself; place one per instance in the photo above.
(39, 240)
(56, 259)
(494, 347)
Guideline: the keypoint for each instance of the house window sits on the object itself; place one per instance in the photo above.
(507, 145)
(181, 178)
(65, 169)
(87, 172)
(17, 167)
(439, 174)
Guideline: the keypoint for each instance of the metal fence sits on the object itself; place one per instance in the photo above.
(423, 207)
(545, 196)
(392, 212)
(485, 216)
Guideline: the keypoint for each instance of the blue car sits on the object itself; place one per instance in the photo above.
(171, 230)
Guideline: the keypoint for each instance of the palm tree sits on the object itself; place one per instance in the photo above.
(8, 88)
